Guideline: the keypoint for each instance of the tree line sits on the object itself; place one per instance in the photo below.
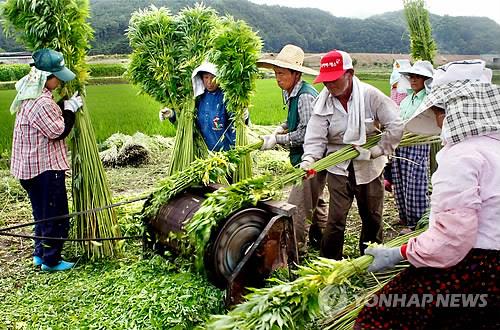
(312, 29)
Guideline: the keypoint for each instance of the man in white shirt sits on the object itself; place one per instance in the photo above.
(346, 112)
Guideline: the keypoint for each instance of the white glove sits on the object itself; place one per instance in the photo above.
(269, 142)
(74, 103)
(306, 163)
(367, 154)
(383, 258)
(165, 113)
(279, 130)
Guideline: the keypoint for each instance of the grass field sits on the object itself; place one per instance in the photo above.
(119, 108)
(127, 292)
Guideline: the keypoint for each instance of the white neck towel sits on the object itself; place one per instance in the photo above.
(356, 131)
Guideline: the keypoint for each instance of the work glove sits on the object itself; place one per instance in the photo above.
(367, 154)
(74, 103)
(279, 130)
(165, 113)
(306, 166)
(387, 185)
(269, 142)
(246, 115)
(306, 163)
(384, 257)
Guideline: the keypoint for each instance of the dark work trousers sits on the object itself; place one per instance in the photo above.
(370, 200)
(47, 194)
(388, 171)
(311, 209)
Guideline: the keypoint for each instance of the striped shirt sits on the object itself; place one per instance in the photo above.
(305, 109)
(39, 123)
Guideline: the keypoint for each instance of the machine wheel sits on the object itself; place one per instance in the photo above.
(231, 242)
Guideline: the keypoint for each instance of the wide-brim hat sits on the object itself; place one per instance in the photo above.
(421, 68)
(290, 57)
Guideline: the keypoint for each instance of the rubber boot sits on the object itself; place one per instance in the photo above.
(61, 266)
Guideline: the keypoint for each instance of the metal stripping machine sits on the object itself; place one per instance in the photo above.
(242, 251)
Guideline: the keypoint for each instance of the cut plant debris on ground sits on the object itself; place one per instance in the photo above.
(130, 291)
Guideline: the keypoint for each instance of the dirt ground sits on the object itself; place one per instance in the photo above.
(129, 182)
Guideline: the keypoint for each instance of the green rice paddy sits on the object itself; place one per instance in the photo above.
(120, 108)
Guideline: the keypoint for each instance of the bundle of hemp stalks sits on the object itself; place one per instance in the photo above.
(227, 200)
(422, 47)
(235, 51)
(292, 305)
(63, 26)
(167, 49)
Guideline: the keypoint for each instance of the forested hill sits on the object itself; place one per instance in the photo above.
(312, 29)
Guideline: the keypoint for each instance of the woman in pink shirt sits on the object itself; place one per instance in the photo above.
(453, 281)
(398, 94)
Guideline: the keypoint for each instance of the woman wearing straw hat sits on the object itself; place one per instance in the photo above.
(410, 166)
(299, 97)
(453, 279)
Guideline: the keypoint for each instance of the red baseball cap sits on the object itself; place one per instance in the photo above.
(333, 65)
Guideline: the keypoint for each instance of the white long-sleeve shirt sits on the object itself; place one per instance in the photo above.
(326, 133)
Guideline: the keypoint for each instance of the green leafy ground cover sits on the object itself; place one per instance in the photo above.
(126, 293)
(121, 294)
(130, 292)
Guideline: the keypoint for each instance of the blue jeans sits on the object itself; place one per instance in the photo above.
(47, 194)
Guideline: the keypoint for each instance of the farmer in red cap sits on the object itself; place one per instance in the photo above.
(346, 112)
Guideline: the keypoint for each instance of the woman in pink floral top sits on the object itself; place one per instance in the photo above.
(453, 281)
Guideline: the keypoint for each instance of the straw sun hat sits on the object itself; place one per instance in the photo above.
(290, 57)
